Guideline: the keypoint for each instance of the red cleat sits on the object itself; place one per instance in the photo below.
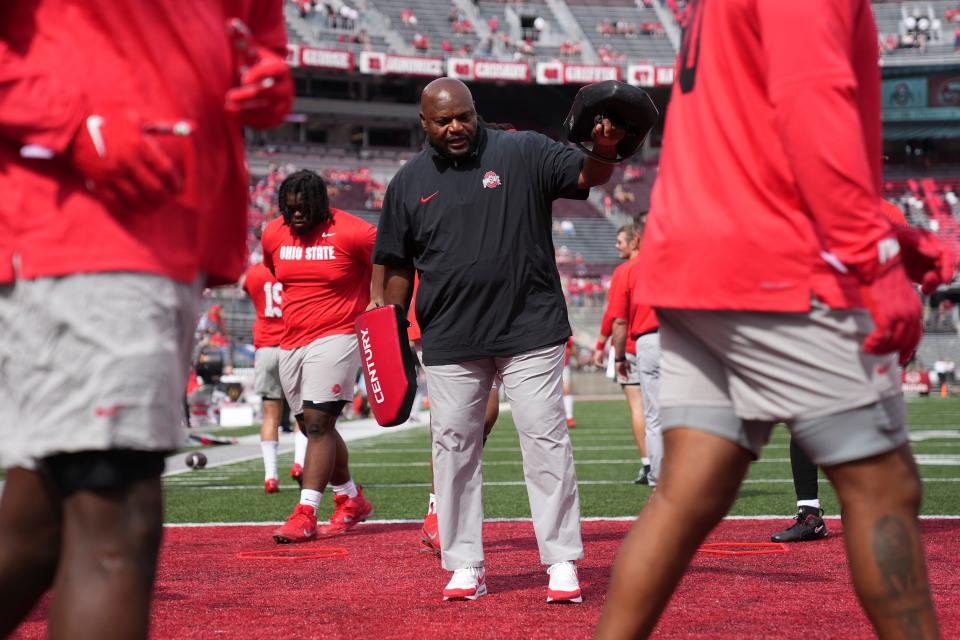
(271, 485)
(430, 535)
(347, 513)
(299, 527)
(571, 423)
(296, 472)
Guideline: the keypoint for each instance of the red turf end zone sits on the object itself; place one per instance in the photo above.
(383, 588)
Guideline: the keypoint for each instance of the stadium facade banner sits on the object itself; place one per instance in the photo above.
(589, 73)
(664, 76)
(550, 72)
(293, 55)
(376, 63)
(642, 75)
(326, 58)
(503, 71)
(944, 90)
(460, 68)
(904, 93)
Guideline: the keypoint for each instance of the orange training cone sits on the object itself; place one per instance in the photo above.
(943, 390)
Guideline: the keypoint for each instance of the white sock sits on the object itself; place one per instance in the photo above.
(645, 461)
(299, 447)
(269, 450)
(432, 505)
(311, 497)
(568, 406)
(348, 489)
(809, 503)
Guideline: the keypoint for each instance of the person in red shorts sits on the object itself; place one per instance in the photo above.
(267, 297)
(628, 248)
(787, 300)
(111, 227)
(321, 256)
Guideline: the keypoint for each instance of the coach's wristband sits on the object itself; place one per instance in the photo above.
(600, 345)
(623, 359)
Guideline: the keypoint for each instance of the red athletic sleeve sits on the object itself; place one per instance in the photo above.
(265, 18)
(266, 245)
(36, 109)
(606, 324)
(809, 52)
(618, 302)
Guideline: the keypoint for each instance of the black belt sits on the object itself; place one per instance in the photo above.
(646, 333)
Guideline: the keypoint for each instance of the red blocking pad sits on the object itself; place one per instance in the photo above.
(388, 364)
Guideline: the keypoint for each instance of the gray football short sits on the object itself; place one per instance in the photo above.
(266, 373)
(323, 371)
(91, 362)
(737, 374)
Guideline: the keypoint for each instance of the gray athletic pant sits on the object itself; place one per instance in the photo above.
(532, 382)
(648, 365)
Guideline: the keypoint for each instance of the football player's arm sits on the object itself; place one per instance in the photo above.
(814, 93)
(38, 113)
(376, 287)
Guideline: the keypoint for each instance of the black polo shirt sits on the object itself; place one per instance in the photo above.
(478, 232)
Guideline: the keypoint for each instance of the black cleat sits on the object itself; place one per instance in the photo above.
(644, 476)
(808, 525)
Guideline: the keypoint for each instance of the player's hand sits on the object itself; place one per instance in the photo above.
(897, 313)
(118, 155)
(265, 93)
(374, 304)
(623, 369)
(606, 134)
(927, 260)
(599, 358)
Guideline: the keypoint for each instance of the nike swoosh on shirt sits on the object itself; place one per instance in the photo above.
(428, 198)
(94, 126)
(327, 235)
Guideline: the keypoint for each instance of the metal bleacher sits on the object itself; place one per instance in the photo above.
(637, 47)
(432, 22)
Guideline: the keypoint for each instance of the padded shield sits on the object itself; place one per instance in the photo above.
(629, 106)
(389, 367)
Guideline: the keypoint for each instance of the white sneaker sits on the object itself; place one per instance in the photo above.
(466, 584)
(564, 585)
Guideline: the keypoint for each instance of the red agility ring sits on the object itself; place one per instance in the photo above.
(755, 548)
(316, 553)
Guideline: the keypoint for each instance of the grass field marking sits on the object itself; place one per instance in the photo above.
(921, 436)
(193, 525)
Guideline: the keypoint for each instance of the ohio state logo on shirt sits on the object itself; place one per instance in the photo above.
(491, 180)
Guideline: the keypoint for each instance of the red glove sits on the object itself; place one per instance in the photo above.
(266, 90)
(893, 303)
(122, 163)
(927, 260)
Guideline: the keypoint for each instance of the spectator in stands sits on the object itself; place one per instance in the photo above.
(956, 39)
(493, 24)
(567, 228)
(621, 195)
(485, 50)
(420, 42)
(408, 17)
(446, 46)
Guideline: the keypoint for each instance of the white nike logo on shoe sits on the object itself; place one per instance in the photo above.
(94, 126)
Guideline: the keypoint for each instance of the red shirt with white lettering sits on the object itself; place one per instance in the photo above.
(625, 306)
(771, 163)
(616, 293)
(267, 296)
(325, 275)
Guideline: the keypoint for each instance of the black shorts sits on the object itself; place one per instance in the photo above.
(102, 470)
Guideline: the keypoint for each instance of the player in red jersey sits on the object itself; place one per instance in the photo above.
(787, 300)
(628, 248)
(115, 227)
(637, 323)
(321, 256)
(267, 297)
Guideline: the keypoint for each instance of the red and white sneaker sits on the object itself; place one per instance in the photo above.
(347, 513)
(466, 584)
(301, 526)
(271, 485)
(430, 535)
(564, 585)
(296, 472)
(571, 423)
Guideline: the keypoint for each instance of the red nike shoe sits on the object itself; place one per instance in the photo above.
(347, 513)
(296, 472)
(271, 485)
(430, 535)
(301, 526)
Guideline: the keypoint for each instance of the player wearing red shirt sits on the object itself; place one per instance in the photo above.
(636, 322)
(627, 247)
(765, 215)
(321, 256)
(267, 297)
(123, 177)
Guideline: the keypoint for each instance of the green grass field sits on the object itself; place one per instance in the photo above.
(395, 471)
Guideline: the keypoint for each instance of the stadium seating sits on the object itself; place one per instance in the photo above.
(636, 46)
